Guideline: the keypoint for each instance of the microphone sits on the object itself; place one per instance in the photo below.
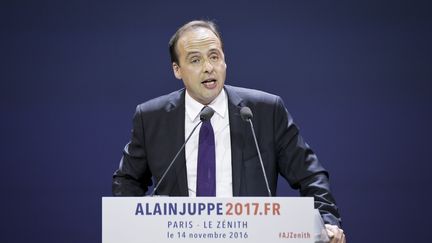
(205, 115)
(246, 115)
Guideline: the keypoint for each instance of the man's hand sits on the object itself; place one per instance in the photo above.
(335, 234)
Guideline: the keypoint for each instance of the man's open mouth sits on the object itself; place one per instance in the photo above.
(210, 80)
(209, 83)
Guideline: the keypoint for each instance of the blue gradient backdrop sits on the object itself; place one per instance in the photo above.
(356, 75)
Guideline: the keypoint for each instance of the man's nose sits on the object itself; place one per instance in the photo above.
(208, 67)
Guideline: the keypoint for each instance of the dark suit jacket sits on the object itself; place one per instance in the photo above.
(158, 133)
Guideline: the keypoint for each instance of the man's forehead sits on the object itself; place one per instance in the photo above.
(199, 37)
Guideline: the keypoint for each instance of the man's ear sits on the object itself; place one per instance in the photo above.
(176, 70)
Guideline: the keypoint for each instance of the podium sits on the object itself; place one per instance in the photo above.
(211, 219)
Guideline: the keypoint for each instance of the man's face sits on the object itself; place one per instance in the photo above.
(201, 64)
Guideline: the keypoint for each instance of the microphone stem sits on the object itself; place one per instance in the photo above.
(259, 156)
(175, 157)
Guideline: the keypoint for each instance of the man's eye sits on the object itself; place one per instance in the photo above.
(214, 57)
(195, 60)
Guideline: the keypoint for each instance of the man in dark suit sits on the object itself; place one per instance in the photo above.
(161, 125)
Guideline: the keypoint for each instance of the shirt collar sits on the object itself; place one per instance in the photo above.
(193, 107)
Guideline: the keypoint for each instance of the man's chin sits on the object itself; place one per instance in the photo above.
(209, 98)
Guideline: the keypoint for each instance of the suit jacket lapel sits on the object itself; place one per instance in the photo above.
(177, 108)
(237, 131)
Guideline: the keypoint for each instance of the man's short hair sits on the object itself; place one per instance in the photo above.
(188, 26)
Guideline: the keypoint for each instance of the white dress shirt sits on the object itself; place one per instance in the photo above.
(220, 124)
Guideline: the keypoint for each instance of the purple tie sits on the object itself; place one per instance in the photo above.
(206, 172)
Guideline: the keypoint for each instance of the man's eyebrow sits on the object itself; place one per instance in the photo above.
(214, 50)
(192, 53)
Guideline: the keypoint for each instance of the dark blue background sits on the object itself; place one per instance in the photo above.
(355, 75)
